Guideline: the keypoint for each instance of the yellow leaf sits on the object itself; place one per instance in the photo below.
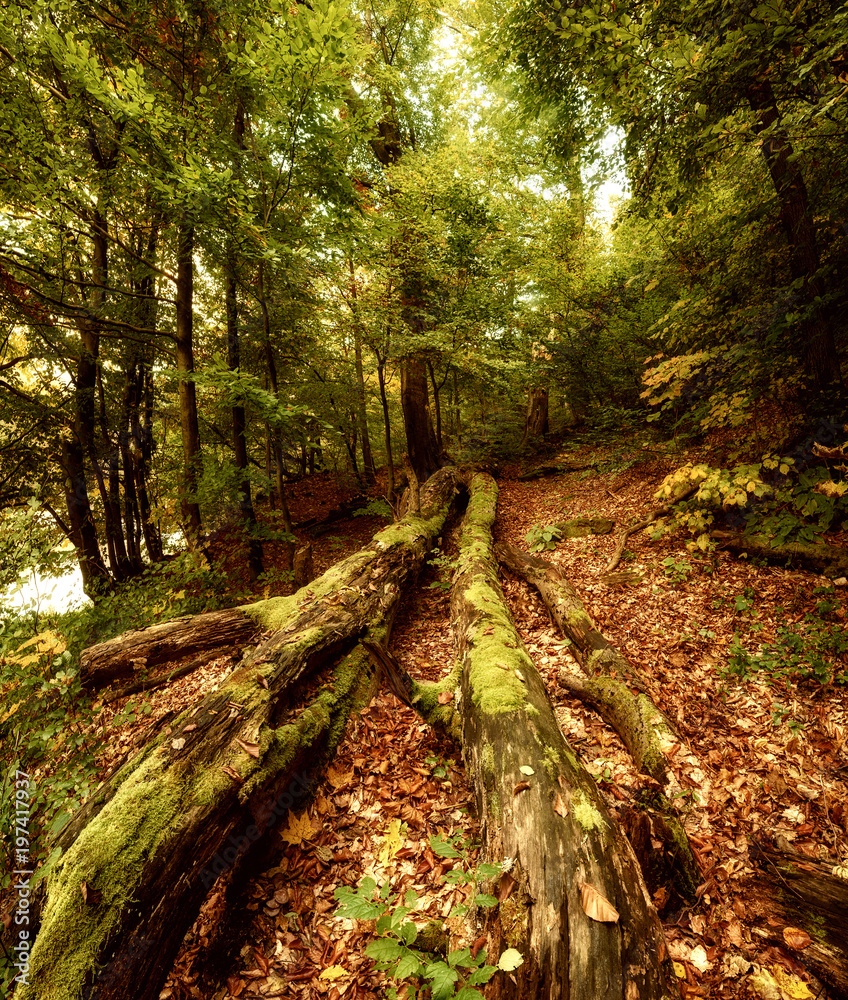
(298, 829)
(392, 842)
(510, 960)
(334, 972)
(652, 284)
(791, 985)
(596, 906)
(679, 970)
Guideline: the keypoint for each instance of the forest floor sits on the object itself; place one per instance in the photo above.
(759, 754)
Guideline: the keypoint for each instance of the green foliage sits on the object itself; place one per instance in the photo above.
(444, 567)
(771, 498)
(377, 507)
(677, 570)
(454, 976)
(814, 649)
(543, 536)
(44, 720)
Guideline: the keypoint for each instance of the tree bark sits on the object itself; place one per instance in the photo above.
(821, 558)
(536, 421)
(792, 890)
(420, 436)
(187, 395)
(239, 422)
(552, 821)
(196, 799)
(138, 650)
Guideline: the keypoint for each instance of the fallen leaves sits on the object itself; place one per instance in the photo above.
(298, 829)
(596, 906)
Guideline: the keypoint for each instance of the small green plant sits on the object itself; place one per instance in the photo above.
(439, 766)
(677, 570)
(455, 975)
(814, 649)
(543, 536)
(376, 507)
(444, 567)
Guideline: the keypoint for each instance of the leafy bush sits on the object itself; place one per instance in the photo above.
(44, 720)
(769, 498)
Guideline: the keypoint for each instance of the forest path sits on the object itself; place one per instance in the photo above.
(754, 757)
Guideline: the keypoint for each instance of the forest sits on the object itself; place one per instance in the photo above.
(442, 410)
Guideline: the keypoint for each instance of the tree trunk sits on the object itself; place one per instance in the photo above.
(552, 821)
(536, 421)
(828, 559)
(793, 890)
(248, 516)
(420, 436)
(387, 428)
(192, 804)
(138, 650)
(820, 358)
(188, 397)
(83, 532)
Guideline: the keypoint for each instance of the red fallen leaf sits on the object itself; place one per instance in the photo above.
(262, 962)
(478, 944)
(262, 681)
(251, 748)
(233, 774)
(445, 697)
(507, 884)
(522, 786)
(90, 895)
(560, 807)
(236, 986)
(796, 938)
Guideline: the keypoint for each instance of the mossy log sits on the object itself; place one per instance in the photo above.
(827, 559)
(541, 471)
(539, 807)
(790, 890)
(642, 727)
(580, 527)
(129, 872)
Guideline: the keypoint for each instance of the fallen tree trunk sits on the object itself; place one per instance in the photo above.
(539, 807)
(130, 871)
(827, 559)
(792, 891)
(554, 470)
(138, 650)
(642, 727)
(636, 720)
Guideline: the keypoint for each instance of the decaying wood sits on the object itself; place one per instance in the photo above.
(641, 725)
(790, 892)
(657, 512)
(539, 807)
(554, 470)
(135, 652)
(827, 559)
(637, 721)
(196, 800)
(154, 683)
(580, 527)
(303, 566)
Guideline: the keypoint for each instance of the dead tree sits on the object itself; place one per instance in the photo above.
(128, 874)
(573, 901)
